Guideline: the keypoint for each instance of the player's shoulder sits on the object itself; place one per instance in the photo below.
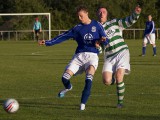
(114, 20)
(152, 21)
(77, 27)
(109, 22)
(93, 22)
(149, 22)
(96, 23)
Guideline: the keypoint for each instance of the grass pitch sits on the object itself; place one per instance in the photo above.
(32, 75)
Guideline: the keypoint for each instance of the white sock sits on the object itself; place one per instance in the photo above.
(82, 107)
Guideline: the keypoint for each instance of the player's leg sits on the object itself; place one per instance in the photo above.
(37, 34)
(152, 37)
(66, 82)
(66, 79)
(71, 69)
(122, 68)
(120, 86)
(107, 73)
(91, 65)
(145, 41)
(88, 84)
(108, 78)
(154, 49)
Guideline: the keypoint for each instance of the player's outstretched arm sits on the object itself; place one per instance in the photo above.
(130, 20)
(58, 39)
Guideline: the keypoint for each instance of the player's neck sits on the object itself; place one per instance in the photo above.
(102, 21)
(88, 21)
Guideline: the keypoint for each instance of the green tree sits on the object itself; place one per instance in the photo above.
(63, 11)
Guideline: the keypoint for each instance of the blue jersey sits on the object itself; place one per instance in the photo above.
(150, 28)
(37, 26)
(85, 35)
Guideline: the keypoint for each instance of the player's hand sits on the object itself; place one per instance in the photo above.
(41, 42)
(138, 10)
(97, 44)
(147, 35)
(103, 39)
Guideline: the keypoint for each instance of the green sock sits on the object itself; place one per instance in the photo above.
(120, 92)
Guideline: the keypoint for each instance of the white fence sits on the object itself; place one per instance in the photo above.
(137, 33)
(26, 34)
(29, 35)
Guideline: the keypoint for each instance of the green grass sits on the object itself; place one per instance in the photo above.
(32, 75)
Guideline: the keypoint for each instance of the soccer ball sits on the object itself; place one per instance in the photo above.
(11, 105)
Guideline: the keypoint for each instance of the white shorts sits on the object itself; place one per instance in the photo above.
(150, 39)
(81, 61)
(120, 60)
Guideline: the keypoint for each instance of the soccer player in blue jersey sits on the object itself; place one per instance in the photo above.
(87, 34)
(149, 36)
(37, 28)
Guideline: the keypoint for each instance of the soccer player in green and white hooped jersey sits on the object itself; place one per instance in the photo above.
(116, 57)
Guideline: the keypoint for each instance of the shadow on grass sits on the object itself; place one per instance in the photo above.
(102, 106)
(49, 105)
(63, 106)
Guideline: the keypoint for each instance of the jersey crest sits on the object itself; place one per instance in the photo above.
(93, 29)
(110, 32)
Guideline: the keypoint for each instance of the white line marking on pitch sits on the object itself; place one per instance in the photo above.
(39, 53)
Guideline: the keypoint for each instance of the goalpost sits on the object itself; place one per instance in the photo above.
(20, 14)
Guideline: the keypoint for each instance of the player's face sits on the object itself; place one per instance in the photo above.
(150, 18)
(83, 16)
(102, 15)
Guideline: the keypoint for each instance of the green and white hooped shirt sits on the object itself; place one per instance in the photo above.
(114, 30)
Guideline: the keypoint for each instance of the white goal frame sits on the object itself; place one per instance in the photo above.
(20, 14)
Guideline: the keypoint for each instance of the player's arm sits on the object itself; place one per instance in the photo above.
(102, 34)
(152, 27)
(58, 39)
(130, 20)
(40, 26)
(100, 44)
(103, 41)
(33, 28)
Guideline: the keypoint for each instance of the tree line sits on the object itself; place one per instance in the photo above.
(63, 11)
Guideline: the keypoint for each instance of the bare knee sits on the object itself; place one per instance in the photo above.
(144, 44)
(107, 81)
(107, 78)
(153, 45)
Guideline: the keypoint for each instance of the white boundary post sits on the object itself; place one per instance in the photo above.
(16, 14)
